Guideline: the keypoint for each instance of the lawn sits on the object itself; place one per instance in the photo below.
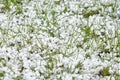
(59, 39)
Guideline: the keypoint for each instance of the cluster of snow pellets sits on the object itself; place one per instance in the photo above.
(59, 39)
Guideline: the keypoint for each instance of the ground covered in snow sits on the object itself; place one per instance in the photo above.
(59, 39)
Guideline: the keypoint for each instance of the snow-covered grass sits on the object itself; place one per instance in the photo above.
(59, 39)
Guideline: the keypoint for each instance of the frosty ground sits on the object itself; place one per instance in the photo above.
(59, 39)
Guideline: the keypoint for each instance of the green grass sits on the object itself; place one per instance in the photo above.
(8, 3)
(1, 74)
(104, 72)
(90, 37)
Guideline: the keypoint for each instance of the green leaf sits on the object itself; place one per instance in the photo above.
(104, 72)
(87, 31)
(85, 39)
(1, 74)
(86, 15)
(79, 65)
(18, 78)
(43, 12)
(12, 44)
(118, 44)
(14, 2)
(65, 10)
(90, 13)
(78, 46)
(53, 13)
(19, 9)
(1, 59)
(57, 2)
(51, 33)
